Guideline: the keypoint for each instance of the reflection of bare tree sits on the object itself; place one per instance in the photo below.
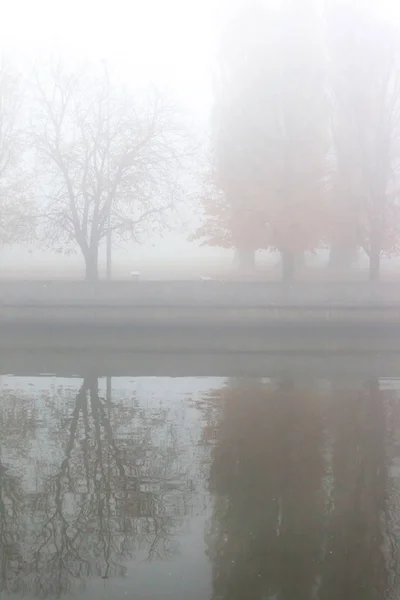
(17, 424)
(107, 498)
(10, 529)
(115, 490)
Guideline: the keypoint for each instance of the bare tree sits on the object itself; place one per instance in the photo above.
(111, 164)
(15, 203)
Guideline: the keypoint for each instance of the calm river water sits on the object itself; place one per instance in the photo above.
(199, 488)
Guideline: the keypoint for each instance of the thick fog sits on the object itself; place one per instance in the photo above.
(182, 49)
(200, 300)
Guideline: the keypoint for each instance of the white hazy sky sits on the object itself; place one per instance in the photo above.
(167, 41)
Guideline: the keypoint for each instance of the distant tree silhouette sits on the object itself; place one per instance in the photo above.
(364, 75)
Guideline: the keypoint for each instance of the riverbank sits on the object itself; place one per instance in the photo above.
(65, 361)
(202, 303)
(174, 351)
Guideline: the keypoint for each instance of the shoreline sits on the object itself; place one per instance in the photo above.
(199, 304)
(320, 365)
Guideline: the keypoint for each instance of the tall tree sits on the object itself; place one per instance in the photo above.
(271, 124)
(365, 82)
(111, 163)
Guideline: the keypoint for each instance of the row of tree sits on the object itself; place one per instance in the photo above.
(83, 159)
(304, 154)
(306, 125)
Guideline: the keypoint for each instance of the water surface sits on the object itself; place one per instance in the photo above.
(200, 488)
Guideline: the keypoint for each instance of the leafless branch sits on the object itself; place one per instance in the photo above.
(111, 162)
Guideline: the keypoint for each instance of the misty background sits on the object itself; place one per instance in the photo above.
(171, 45)
(168, 44)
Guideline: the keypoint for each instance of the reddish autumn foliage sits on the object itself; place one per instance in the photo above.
(270, 135)
(230, 226)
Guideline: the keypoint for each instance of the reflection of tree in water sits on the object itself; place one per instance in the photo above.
(392, 506)
(17, 419)
(299, 489)
(266, 475)
(116, 490)
(11, 531)
(354, 568)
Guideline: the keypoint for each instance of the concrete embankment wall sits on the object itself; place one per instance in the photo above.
(197, 303)
(73, 362)
(52, 325)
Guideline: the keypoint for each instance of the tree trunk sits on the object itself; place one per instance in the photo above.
(288, 266)
(91, 264)
(245, 258)
(374, 265)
